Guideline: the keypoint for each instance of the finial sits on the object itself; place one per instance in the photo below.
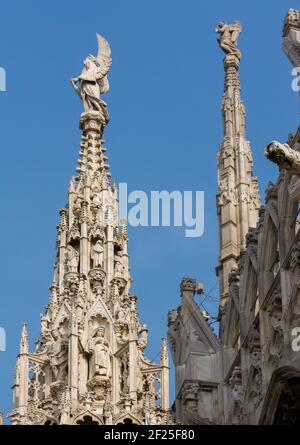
(24, 340)
(164, 359)
(123, 223)
(229, 35)
(188, 287)
(291, 21)
(72, 185)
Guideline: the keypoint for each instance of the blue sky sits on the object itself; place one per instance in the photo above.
(164, 102)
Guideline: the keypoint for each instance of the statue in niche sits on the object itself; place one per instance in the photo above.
(97, 254)
(93, 79)
(143, 337)
(118, 263)
(77, 206)
(96, 200)
(124, 377)
(72, 259)
(149, 410)
(229, 35)
(45, 326)
(122, 313)
(150, 417)
(100, 355)
(59, 356)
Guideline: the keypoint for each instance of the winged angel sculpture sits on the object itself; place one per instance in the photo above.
(93, 81)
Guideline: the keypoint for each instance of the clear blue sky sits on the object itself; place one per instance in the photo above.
(166, 87)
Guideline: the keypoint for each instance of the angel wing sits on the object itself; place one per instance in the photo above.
(104, 60)
(236, 31)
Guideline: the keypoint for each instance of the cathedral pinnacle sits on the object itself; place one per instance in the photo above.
(237, 199)
(89, 365)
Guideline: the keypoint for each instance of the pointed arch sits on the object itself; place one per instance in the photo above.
(127, 418)
(281, 384)
(87, 417)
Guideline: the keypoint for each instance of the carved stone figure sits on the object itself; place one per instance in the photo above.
(284, 156)
(229, 35)
(122, 313)
(72, 259)
(59, 356)
(143, 338)
(150, 417)
(118, 263)
(93, 79)
(45, 327)
(100, 354)
(97, 254)
(237, 394)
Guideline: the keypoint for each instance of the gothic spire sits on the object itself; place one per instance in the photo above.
(90, 354)
(237, 199)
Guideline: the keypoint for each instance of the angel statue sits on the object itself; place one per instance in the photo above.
(229, 35)
(93, 79)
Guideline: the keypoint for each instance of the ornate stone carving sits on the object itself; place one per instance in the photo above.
(292, 20)
(93, 80)
(124, 375)
(72, 259)
(255, 388)
(284, 156)
(97, 254)
(275, 346)
(99, 387)
(71, 280)
(238, 393)
(100, 360)
(229, 35)
(234, 285)
(59, 356)
(226, 192)
(97, 277)
(143, 337)
(74, 233)
(188, 285)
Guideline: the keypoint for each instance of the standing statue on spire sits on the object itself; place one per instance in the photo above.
(93, 80)
(229, 35)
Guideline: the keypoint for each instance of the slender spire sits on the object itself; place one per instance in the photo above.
(237, 199)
